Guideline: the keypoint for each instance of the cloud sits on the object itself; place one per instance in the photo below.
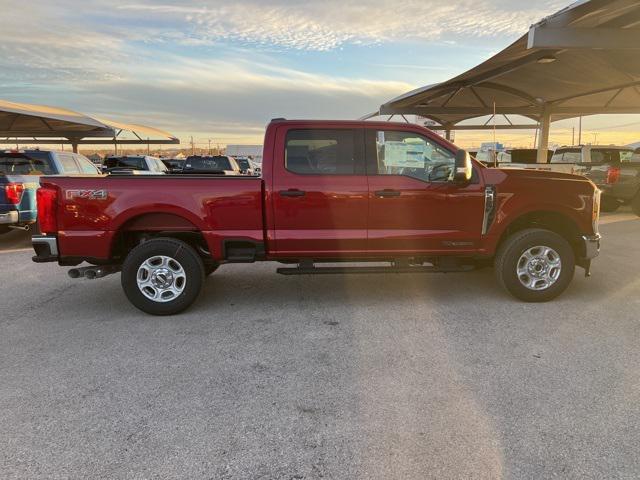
(229, 98)
(330, 24)
(225, 67)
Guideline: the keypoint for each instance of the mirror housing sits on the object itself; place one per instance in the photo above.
(463, 168)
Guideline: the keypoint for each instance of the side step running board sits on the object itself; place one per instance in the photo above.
(312, 270)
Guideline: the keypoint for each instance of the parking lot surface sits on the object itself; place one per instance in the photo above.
(274, 377)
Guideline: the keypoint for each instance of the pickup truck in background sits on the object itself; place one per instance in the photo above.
(212, 164)
(615, 170)
(20, 171)
(333, 196)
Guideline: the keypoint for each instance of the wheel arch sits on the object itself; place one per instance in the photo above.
(552, 220)
(138, 228)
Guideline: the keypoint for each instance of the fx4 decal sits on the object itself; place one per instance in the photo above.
(86, 194)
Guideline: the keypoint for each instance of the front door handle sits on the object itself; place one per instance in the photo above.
(292, 192)
(387, 193)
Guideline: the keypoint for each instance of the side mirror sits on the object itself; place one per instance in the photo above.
(463, 169)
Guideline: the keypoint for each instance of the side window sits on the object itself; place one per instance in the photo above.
(320, 152)
(68, 163)
(85, 165)
(567, 156)
(556, 157)
(411, 154)
(627, 156)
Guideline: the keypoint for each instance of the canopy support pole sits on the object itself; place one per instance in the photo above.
(543, 138)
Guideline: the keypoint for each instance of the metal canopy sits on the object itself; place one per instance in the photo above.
(25, 120)
(142, 132)
(583, 60)
(40, 124)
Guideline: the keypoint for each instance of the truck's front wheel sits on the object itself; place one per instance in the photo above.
(162, 276)
(535, 265)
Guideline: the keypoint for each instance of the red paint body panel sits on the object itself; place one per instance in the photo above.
(228, 207)
(329, 220)
(339, 216)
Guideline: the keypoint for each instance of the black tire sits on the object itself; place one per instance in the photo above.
(609, 204)
(635, 204)
(191, 276)
(510, 254)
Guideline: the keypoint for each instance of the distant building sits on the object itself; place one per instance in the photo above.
(253, 151)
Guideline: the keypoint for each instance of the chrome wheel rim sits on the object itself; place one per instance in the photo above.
(539, 267)
(161, 279)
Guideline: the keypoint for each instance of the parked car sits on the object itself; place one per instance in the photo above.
(20, 171)
(330, 191)
(216, 164)
(175, 165)
(142, 164)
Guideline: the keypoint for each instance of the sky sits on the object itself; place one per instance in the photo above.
(221, 70)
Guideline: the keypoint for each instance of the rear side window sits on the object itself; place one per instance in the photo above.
(68, 163)
(610, 155)
(135, 163)
(320, 152)
(214, 164)
(567, 156)
(26, 164)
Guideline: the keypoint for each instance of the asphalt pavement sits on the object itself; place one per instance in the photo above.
(342, 377)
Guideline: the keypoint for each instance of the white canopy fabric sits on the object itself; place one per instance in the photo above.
(35, 124)
(583, 60)
(142, 132)
(25, 120)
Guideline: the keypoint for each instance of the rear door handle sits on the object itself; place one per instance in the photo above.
(387, 193)
(292, 192)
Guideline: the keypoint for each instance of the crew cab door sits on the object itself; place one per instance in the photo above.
(413, 205)
(319, 195)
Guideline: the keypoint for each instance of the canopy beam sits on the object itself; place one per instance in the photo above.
(543, 138)
(605, 38)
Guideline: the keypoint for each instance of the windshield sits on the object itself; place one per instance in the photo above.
(208, 163)
(137, 163)
(32, 163)
(610, 155)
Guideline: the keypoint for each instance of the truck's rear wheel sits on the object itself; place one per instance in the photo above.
(535, 265)
(162, 276)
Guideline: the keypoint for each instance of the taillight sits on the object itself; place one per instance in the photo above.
(47, 199)
(595, 213)
(613, 175)
(13, 192)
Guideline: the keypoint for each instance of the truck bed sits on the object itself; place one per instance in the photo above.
(93, 210)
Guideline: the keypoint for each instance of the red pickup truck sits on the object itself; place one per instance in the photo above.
(331, 192)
